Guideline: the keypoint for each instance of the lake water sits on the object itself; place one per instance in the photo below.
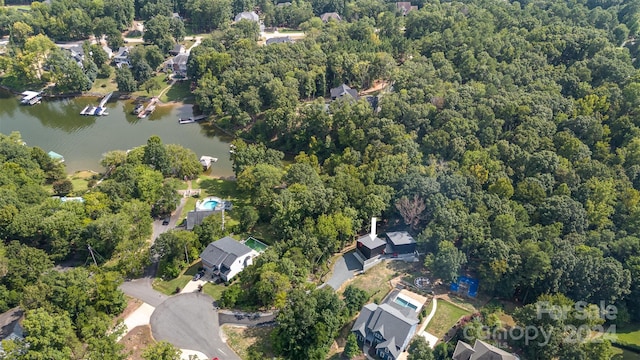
(82, 140)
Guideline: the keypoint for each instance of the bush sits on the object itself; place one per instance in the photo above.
(63, 187)
(105, 71)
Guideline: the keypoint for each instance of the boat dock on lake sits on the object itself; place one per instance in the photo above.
(30, 98)
(97, 110)
(149, 109)
(191, 119)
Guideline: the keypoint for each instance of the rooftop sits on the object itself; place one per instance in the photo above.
(400, 238)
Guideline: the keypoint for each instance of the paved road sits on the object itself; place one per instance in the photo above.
(189, 321)
(141, 289)
(343, 270)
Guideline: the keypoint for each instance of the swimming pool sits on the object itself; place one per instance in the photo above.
(209, 205)
(405, 303)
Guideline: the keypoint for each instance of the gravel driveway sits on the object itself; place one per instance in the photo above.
(189, 321)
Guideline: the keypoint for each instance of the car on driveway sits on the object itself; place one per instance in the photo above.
(166, 221)
(197, 276)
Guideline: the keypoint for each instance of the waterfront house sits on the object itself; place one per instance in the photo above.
(226, 257)
(326, 17)
(480, 350)
(122, 57)
(177, 49)
(386, 327)
(343, 91)
(177, 64)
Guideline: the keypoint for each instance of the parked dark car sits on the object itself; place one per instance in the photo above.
(166, 221)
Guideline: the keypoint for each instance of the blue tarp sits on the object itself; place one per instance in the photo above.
(472, 283)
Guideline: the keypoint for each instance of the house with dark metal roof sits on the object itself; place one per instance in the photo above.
(385, 328)
(400, 242)
(480, 351)
(343, 90)
(326, 17)
(226, 258)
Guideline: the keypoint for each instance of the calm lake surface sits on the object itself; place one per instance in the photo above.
(82, 140)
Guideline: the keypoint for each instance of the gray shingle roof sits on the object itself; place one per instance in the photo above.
(480, 351)
(330, 15)
(195, 217)
(343, 90)
(394, 326)
(248, 15)
(278, 40)
(400, 238)
(8, 322)
(224, 252)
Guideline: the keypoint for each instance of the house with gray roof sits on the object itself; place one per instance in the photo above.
(342, 91)
(250, 16)
(226, 258)
(480, 351)
(400, 242)
(326, 17)
(279, 40)
(385, 328)
(405, 7)
(10, 328)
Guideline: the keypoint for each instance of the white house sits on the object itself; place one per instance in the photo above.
(226, 258)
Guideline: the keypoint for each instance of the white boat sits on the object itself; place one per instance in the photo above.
(186, 121)
(30, 98)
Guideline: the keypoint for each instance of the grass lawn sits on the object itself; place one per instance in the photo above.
(169, 287)
(105, 86)
(376, 280)
(188, 206)
(80, 181)
(180, 92)
(244, 340)
(160, 80)
(214, 290)
(18, 7)
(629, 334)
(622, 354)
(447, 314)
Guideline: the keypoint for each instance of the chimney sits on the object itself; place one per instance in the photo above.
(373, 228)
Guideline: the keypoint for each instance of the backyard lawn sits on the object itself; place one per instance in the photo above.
(375, 281)
(105, 86)
(447, 314)
(180, 92)
(629, 334)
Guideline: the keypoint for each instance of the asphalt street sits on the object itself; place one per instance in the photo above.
(189, 321)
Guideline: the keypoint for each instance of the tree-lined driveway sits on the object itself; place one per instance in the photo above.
(189, 321)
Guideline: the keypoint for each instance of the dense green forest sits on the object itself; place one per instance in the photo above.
(506, 138)
(512, 127)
